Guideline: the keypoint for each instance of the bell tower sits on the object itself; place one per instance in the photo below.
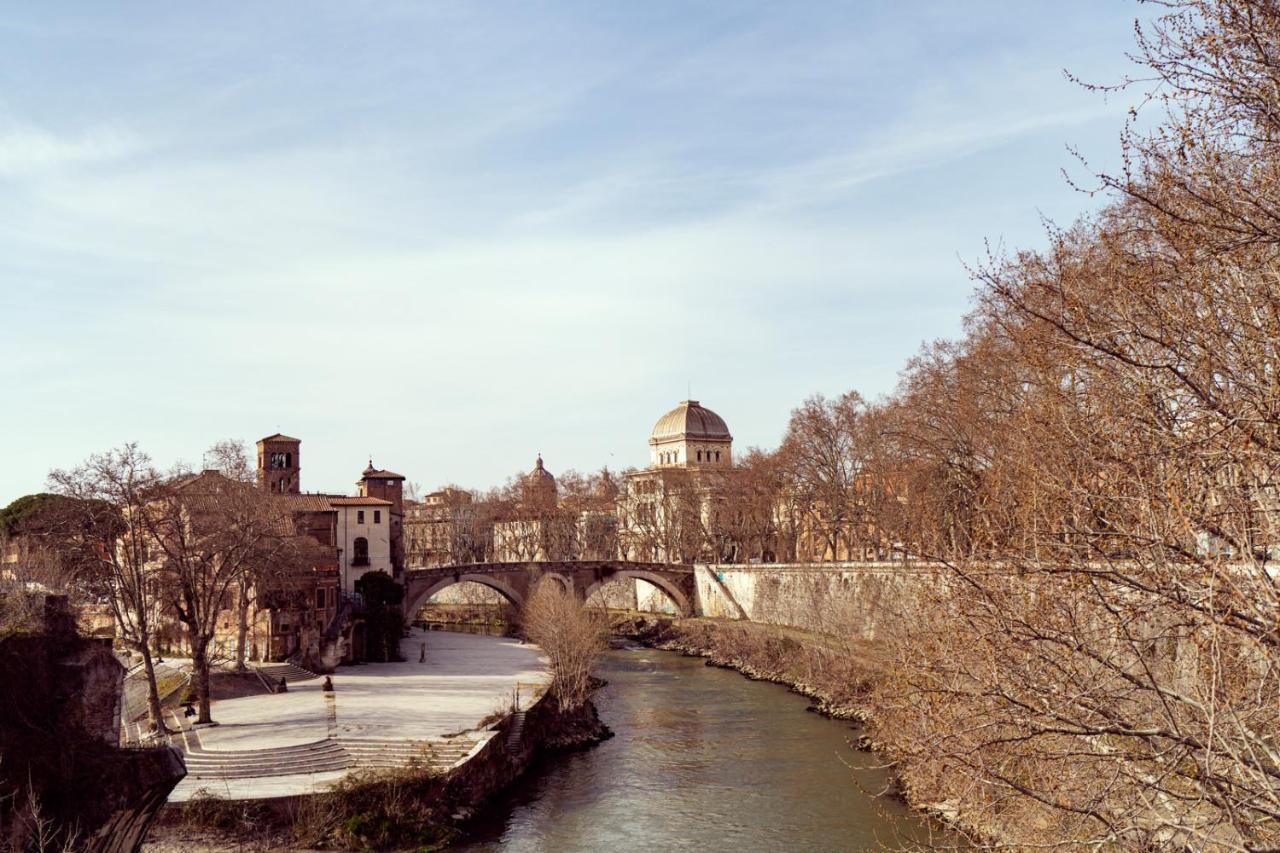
(280, 464)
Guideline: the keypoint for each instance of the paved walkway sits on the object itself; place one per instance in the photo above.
(465, 678)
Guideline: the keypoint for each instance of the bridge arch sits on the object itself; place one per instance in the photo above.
(494, 583)
(565, 583)
(672, 591)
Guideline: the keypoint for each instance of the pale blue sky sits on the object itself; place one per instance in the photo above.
(456, 235)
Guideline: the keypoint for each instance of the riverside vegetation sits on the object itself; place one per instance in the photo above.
(1096, 467)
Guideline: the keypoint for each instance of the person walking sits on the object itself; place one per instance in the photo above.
(422, 654)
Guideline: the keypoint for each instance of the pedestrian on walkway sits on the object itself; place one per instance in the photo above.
(422, 655)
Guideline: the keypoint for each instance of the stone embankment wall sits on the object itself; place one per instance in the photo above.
(854, 599)
(59, 725)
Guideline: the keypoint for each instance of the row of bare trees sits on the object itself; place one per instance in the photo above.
(1096, 464)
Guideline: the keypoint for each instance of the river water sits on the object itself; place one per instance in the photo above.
(701, 759)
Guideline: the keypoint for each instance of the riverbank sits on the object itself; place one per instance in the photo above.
(839, 676)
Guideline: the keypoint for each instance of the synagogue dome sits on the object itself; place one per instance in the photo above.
(690, 420)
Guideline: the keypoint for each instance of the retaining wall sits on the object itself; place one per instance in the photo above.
(858, 599)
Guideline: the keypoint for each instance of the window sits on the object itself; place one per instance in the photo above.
(391, 482)
(377, 516)
(699, 455)
(717, 455)
(359, 516)
(360, 552)
(320, 599)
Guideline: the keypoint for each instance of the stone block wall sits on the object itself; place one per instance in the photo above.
(861, 600)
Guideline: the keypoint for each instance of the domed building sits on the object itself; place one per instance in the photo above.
(538, 491)
(669, 511)
(690, 435)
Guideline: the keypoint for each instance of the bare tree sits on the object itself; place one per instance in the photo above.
(572, 636)
(209, 533)
(107, 496)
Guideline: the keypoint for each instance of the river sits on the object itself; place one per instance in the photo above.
(701, 759)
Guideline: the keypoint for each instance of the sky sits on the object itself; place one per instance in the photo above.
(452, 236)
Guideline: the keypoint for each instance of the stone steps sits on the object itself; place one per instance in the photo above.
(319, 757)
(290, 672)
(325, 756)
(439, 754)
(516, 731)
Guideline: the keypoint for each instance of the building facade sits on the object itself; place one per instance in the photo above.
(670, 510)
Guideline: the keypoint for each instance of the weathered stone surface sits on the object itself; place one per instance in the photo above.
(59, 712)
(852, 599)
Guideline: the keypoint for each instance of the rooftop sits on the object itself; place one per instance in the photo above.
(690, 420)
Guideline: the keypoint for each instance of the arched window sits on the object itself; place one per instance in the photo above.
(699, 455)
(360, 552)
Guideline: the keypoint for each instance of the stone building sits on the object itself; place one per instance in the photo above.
(352, 535)
(364, 538)
(538, 530)
(434, 527)
(387, 486)
(690, 437)
(670, 510)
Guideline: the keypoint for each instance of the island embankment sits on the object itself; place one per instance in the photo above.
(420, 802)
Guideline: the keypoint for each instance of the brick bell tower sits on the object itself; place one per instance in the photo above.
(280, 464)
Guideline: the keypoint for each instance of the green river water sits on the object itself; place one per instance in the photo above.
(702, 759)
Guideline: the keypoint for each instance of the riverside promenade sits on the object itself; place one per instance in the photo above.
(379, 715)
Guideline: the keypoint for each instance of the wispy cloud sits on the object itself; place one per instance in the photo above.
(508, 227)
(27, 150)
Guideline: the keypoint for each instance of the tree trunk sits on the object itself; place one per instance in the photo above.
(200, 675)
(242, 626)
(153, 692)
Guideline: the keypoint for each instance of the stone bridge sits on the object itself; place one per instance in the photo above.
(581, 577)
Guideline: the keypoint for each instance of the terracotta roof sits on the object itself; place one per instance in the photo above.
(307, 503)
(383, 474)
(209, 477)
(279, 437)
(359, 502)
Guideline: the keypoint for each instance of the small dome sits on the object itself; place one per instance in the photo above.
(606, 489)
(690, 420)
(539, 486)
(539, 473)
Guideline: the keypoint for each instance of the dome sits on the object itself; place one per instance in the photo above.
(606, 489)
(690, 420)
(539, 487)
(539, 474)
